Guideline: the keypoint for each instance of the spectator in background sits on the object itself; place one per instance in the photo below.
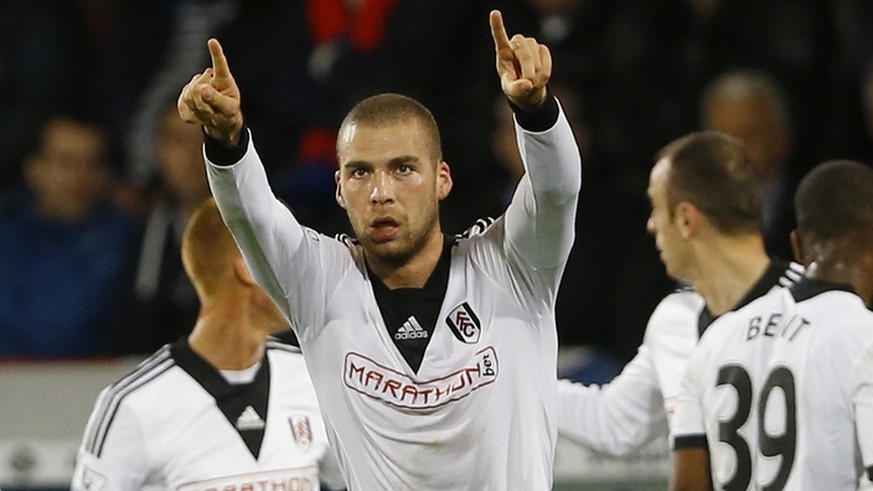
(63, 249)
(662, 53)
(41, 61)
(751, 107)
(165, 303)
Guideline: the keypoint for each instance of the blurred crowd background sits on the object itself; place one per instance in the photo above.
(98, 175)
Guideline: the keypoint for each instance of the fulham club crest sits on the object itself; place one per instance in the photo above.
(301, 430)
(464, 324)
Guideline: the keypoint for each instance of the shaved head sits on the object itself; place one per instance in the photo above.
(389, 109)
(834, 206)
(208, 251)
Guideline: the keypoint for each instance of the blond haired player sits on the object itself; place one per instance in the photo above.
(226, 408)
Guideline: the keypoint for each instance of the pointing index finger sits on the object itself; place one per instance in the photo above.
(219, 62)
(498, 31)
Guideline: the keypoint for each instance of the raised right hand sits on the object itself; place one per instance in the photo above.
(212, 99)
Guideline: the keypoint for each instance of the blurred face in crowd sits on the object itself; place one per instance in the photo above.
(178, 151)
(390, 183)
(662, 223)
(756, 122)
(68, 173)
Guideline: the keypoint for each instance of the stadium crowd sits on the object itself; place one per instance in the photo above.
(98, 177)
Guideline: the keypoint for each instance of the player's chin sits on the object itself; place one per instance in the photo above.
(389, 250)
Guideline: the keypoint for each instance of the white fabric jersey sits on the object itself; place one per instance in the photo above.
(168, 426)
(800, 361)
(639, 403)
(631, 410)
(479, 413)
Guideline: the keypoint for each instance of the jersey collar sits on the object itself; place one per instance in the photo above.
(232, 399)
(807, 288)
(768, 281)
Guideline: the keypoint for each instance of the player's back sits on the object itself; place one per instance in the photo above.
(808, 438)
(727, 371)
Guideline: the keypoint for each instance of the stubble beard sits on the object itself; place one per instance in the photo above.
(398, 252)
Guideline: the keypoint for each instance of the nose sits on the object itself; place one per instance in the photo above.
(383, 188)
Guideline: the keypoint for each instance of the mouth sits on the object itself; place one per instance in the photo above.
(384, 229)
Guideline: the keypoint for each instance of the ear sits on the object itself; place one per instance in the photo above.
(444, 180)
(688, 219)
(797, 247)
(339, 189)
(242, 271)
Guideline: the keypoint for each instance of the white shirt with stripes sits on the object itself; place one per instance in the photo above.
(176, 423)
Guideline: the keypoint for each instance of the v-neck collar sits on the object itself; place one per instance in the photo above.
(244, 405)
(410, 314)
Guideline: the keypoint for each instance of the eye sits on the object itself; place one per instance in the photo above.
(404, 169)
(358, 172)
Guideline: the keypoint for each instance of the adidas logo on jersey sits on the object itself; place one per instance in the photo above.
(410, 329)
(249, 420)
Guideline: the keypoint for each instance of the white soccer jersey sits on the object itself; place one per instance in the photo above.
(639, 403)
(793, 360)
(175, 423)
(479, 413)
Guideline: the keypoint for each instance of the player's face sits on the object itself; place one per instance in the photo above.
(390, 184)
(662, 224)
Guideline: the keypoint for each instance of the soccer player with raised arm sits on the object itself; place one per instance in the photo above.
(706, 220)
(433, 357)
(227, 408)
(782, 389)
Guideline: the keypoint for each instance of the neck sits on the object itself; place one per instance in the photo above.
(857, 273)
(727, 269)
(226, 335)
(414, 272)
